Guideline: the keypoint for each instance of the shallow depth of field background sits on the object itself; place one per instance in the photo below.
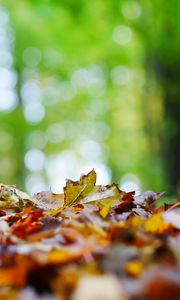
(90, 84)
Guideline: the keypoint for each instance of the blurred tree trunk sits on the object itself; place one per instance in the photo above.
(169, 76)
(163, 61)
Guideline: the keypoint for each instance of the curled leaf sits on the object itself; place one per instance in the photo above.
(101, 194)
(11, 197)
(49, 201)
(147, 198)
(104, 197)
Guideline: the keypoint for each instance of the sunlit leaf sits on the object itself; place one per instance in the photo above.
(105, 210)
(11, 197)
(102, 194)
(74, 191)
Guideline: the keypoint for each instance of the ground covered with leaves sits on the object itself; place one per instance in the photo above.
(89, 243)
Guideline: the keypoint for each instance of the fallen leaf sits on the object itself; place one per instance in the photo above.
(74, 191)
(156, 224)
(147, 199)
(11, 197)
(49, 243)
(48, 200)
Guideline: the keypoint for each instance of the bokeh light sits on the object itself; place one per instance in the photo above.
(122, 34)
(88, 90)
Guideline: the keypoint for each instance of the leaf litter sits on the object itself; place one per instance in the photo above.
(92, 243)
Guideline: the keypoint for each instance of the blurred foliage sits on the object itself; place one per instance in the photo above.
(83, 85)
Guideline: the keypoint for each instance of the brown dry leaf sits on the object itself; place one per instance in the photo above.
(147, 199)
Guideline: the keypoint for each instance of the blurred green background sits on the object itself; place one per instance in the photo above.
(90, 84)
